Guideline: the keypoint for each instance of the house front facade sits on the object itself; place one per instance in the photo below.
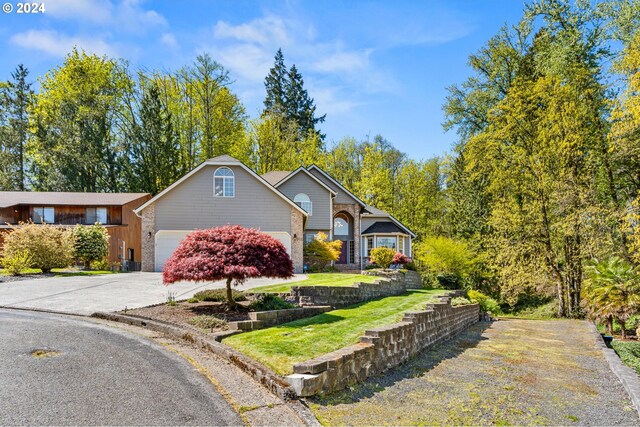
(290, 206)
(67, 209)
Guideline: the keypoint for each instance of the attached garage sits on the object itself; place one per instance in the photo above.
(168, 240)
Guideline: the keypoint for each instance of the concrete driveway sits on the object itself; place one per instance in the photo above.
(110, 292)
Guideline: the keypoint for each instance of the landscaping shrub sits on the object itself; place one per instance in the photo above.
(629, 353)
(16, 263)
(232, 253)
(48, 246)
(487, 304)
(270, 302)
(91, 243)
(400, 259)
(545, 311)
(319, 252)
(101, 265)
(371, 266)
(452, 261)
(208, 322)
(382, 256)
(217, 295)
(460, 301)
(410, 266)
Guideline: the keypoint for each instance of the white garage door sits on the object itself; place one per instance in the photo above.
(168, 240)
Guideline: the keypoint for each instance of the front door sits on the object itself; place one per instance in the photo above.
(343, 253)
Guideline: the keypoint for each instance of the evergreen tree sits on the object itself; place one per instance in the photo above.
(276, 85)
(16, 98)
(154, 149)
(300, 106)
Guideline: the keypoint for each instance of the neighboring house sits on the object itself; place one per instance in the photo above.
(291, 206)
(113, 210)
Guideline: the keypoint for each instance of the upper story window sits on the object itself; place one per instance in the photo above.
(224, 183)
(93, 215)
(43, 215)
(304, 202)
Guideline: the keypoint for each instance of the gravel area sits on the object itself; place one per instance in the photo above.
(8, 278)
(510, 372)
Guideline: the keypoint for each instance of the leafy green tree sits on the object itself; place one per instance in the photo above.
(612, 291)
(75, 147)
(91, 243)
(451, 261)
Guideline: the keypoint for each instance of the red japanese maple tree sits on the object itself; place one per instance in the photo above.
(232, 253)
(399, 258)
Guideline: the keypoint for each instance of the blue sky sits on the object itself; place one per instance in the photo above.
(374, 67)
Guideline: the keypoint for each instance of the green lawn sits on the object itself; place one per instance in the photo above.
(63, 272)
(319, 279)
(281, 346)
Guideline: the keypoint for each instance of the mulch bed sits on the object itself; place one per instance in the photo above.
(8, 278)
(183, 311)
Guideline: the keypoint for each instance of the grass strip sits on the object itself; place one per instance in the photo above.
(318, 279)
(281, 346)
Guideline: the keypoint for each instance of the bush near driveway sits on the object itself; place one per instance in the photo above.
(47, 246)
(91, 243)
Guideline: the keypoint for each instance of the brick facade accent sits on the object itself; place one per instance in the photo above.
(149, 238)
(297, 240)
(354, 211)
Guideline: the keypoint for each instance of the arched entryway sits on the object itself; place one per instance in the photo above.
(343, 230)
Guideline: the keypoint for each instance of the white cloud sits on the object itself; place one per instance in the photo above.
(267, 31)
(343, 61)
(56, 44)
(96, 11)
(126, 15)
(169, 40)
(245, 60)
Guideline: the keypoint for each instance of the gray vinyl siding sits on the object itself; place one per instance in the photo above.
(341, 196)
(320, 198)
(191, 204)
(366, 222)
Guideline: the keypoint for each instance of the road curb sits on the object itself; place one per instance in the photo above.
(44, 310)
(256, 370)
(627, 376)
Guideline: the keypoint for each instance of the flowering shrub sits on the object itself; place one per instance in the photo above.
(401, 259)
(232, 253)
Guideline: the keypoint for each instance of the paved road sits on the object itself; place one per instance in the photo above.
(110, 292)
(513, 372)
(100, 376)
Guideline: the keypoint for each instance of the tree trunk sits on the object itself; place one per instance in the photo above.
(230, 300)
(610, 324)
(623, 330)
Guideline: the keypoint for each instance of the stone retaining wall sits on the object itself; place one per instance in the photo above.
(265, 319)
(344, 296)
(382, 348)
(412, 279)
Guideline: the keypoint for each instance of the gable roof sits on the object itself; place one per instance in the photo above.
(380, 227)
(66, 198)
(326, 175)
(224, 160)
(379, 213)
(309, 174)
(274, 177)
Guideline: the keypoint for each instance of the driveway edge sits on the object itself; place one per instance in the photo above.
(274, 383)
(627, 376)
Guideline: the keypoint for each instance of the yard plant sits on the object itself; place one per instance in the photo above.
(319, 252)
(91, 243)
(382, 256)
(47, 246)
(282, 346)
(232, 253)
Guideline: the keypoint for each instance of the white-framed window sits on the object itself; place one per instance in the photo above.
(304, 202)
(43, 215)
(401, 244)
(224, 183)
(386, 242)
(340, 226)
(93, 215)
(369, 245)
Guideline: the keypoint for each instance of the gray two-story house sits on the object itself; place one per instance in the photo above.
(290, 206)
